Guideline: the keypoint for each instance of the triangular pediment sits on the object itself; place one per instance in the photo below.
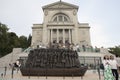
(60, 4)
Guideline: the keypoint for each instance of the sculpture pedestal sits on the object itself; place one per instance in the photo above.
(54, 72)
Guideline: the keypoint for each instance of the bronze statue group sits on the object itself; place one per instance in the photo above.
(53, 58)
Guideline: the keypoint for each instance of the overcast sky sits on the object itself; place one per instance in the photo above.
(103, 17)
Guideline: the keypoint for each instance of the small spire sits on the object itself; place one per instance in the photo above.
(60, 0)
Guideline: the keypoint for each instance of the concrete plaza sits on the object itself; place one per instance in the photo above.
(89, 75)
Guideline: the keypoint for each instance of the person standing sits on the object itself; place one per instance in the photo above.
(114, 67)
(107, 69)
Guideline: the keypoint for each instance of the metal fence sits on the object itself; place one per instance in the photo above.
(91, 62)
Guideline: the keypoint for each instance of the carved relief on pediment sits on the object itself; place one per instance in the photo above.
(46, 13)
(74, 12)
(60, 6)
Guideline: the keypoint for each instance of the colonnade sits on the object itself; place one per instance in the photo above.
(60, 35)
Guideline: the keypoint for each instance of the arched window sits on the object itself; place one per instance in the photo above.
(60, 18)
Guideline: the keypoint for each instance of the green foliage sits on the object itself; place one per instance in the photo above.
(13, 40)
(23, 41)
(9, 40)
(3, 39)
(29, 40)
(115, 50)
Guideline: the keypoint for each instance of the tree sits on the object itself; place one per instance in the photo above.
(9, 40)
(13, 40)
(23, 42)
(3, 38)
(115, 50)
(29, 40)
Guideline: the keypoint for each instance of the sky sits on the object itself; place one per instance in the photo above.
(103, 17)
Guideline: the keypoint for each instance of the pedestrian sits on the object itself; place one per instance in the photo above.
(107, 69)
(114, 67)
(2, 75)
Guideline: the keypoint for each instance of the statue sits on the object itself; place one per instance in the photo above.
(54, 61)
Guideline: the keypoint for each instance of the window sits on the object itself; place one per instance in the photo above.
(55, 20)
(65, 19)
(60, 18)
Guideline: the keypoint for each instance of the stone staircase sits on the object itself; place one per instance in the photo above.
(17, 52)
(10, 58)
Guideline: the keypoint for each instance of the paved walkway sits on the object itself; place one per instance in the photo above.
(89, 75)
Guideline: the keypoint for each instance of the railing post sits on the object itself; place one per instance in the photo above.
(12, 72)
(5, 71)
(98, 69)
(29, 73)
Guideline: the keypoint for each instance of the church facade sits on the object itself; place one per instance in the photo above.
(60, 25)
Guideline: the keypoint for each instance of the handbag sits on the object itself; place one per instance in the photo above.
(102, 66)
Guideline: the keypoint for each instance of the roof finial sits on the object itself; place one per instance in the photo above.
(60, 0)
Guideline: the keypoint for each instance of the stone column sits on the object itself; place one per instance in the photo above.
(63, 35)
(69, 35)
(57, 35)
(51, 35)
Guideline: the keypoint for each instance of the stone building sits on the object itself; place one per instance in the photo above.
(60, 25)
